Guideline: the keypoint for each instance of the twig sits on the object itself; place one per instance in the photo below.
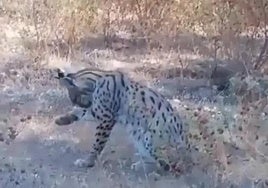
(260, 61)
(261, 58)
(35, 21)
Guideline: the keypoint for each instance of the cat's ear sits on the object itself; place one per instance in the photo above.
(58, 73)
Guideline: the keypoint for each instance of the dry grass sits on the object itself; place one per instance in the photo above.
(227, 29)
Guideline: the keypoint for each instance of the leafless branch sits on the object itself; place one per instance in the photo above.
(263, 56)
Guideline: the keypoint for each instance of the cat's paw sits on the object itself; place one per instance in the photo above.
(66, 120)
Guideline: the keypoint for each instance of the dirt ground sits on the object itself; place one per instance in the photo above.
(37, 153)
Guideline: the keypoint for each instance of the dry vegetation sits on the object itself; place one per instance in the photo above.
(190, 44)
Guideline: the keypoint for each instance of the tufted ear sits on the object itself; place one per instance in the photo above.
(59, 73)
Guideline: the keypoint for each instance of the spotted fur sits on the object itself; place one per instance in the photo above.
(112, 97)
